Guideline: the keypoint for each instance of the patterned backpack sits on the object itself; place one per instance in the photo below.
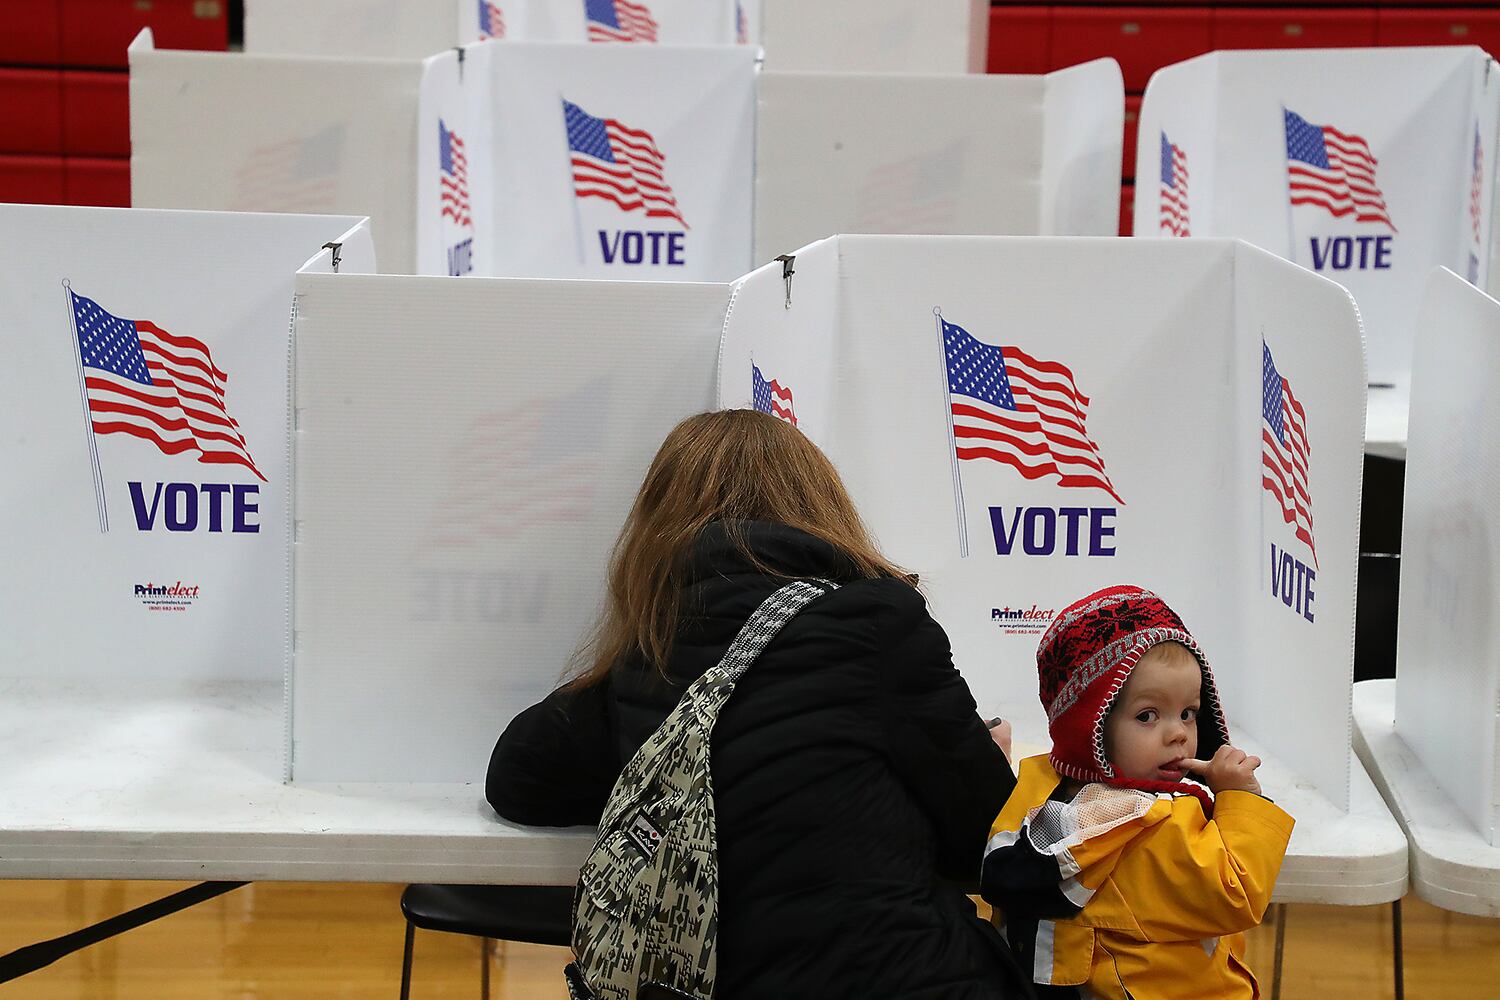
(646, 913)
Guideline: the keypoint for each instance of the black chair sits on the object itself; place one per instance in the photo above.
(1379, 581)
(537, 914)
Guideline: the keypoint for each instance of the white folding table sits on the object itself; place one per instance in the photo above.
(178, 781)
(1452, 865)
(1385, 421)
(134, 780)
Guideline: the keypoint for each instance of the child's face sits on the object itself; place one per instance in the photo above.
(1153, 724)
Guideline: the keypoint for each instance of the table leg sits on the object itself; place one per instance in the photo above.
(42, 954)
(1398, 963)
(1280, 942)
(411, 933)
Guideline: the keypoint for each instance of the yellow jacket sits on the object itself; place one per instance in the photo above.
(1122, 890)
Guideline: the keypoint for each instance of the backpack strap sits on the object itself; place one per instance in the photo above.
(767, 621)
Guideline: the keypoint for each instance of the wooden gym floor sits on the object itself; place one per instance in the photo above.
(298, 941)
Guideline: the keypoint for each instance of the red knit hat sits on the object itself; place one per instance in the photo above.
(1083, 661)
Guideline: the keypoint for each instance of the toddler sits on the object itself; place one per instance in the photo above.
(1114, 874)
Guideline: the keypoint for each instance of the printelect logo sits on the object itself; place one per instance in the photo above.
(177, 596)
(1022, 621)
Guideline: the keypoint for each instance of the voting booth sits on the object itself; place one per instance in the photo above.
(1019, 450)
(586, 161)
(1369, 166)
(454, 496)
(458, 494)
(147, 464)
(415, 29)
(1448, 650)
(516, 159)
(1046, 163)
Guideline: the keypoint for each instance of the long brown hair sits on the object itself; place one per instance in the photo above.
(731, 466)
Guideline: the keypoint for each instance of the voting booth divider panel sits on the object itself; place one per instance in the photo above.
(385, 29)
(466, 453)
(1448, 651)
(897, 36)
(242, 133)
(147, 470)
(1046, 164)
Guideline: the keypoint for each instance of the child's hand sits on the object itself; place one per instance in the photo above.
(1000, 733)
(1231, 769)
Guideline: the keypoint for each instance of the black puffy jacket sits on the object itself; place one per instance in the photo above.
(854, 782)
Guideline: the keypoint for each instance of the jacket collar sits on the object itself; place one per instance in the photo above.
(785, 550)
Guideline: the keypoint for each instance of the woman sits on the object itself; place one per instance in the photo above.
(854, 783)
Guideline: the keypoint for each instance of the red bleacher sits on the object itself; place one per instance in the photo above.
(1032, 38)
(64, 90)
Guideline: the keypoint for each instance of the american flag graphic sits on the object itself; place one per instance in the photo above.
(1012, 408)
(295, 175)
(519, 468)
(1476, 185)
(453, 168)
(619, 164)
(1333, 170)
(1174, 189)
(741, 25)
(491, 20)
(1284, 454)
(158, 386)
(619, 21)
(771, 397)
